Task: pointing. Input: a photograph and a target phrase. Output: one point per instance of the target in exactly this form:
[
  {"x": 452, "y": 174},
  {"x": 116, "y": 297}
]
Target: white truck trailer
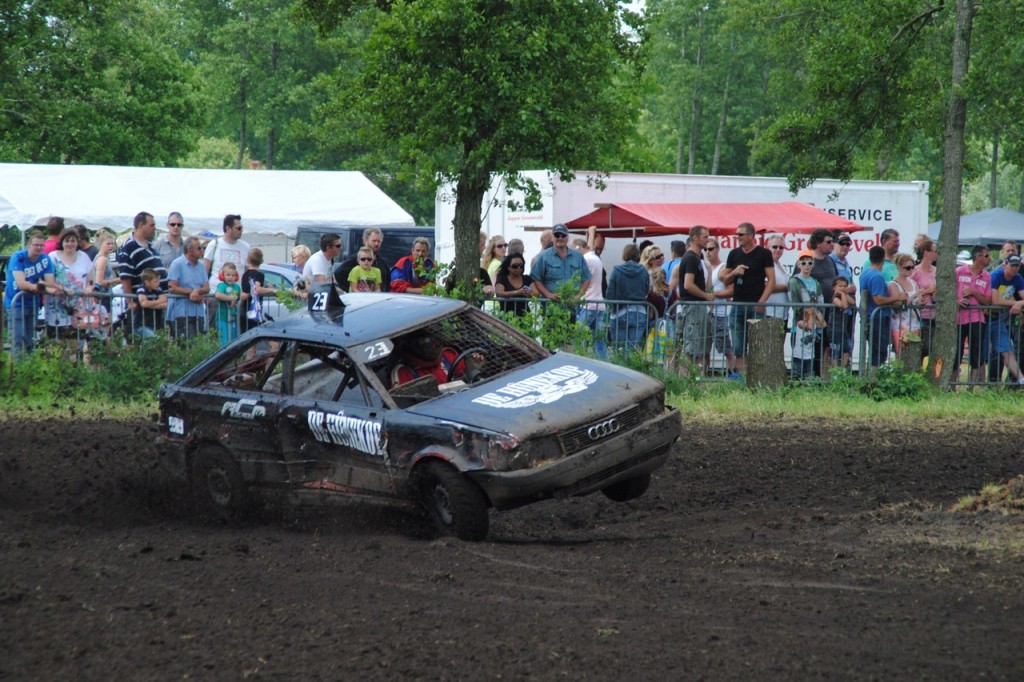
[{"x": 875, "y": 205}]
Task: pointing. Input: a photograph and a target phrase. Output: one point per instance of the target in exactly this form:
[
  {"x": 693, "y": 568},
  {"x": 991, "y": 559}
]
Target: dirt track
[{"x": 766, "y": 556}]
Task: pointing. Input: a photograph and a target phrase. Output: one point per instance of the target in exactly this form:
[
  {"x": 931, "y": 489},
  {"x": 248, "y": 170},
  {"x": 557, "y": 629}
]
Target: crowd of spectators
[{"x": 681, "y": 309}]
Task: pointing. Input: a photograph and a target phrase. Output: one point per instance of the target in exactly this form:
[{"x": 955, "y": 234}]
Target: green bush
[
  {"x": 115, "y": 370},
  {"x": 894, "y": 381}
]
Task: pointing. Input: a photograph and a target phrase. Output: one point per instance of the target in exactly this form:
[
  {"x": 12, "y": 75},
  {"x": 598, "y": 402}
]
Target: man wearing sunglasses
[
  {"x": 319, "y": 268},
  {"x": 171, "y": 246},
  {"x": 751, "y": 270},
  {"x": 230, "y": 248}
]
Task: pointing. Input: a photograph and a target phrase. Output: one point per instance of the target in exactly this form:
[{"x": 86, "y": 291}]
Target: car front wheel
[
  {"x": 456, "y": 505},
  {"x": 630, "y": 489},
  {"x": 217, "y": 485}
]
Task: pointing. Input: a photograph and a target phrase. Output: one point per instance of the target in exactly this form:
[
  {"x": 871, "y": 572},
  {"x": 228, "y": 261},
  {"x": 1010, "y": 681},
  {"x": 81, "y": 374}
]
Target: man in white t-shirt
[
  {"x": 592, "y": 311},
  {"x": 320, "y": 267},
  {"x": 230, "y": 248}
]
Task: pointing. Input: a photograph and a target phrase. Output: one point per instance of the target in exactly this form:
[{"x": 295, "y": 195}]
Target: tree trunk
[
  {"x": 679, "y": 142},
  {"x": 243, "y": 123},
  {"x": 993, "y": 184},
  {"x": 766, "y": 364},
  {"x": 695, "y": 108},
  {"x": 944, "y": 348},
  {"x": 271, "y": 146},
  {"x": 910, "y": 355},
  {"x": 723, "y": 118},
  {"x": 470, "y": 190}
]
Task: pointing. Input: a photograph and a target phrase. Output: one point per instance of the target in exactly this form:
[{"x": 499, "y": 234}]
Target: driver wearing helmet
[{"x": 423, "y": 355}]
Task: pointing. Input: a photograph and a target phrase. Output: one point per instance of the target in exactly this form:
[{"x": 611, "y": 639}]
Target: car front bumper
[{"x": 628, "y": 455}]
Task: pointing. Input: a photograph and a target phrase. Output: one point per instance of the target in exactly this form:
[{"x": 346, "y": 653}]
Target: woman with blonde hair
[
  {"x": 300, "y": 254},
  {"x": 907, "y": 320},
  {"x": 652, "y": 257},
  {"x": 493, "y": 255},
  {"x": 102, "y": 274}
]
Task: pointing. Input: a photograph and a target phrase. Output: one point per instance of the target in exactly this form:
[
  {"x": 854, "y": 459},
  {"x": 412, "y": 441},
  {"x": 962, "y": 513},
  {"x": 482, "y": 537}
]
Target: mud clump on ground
[{"x": 759, "y": 552}]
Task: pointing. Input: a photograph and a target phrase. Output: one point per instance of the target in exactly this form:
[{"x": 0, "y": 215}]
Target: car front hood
[{"x": 560, "y": 391}]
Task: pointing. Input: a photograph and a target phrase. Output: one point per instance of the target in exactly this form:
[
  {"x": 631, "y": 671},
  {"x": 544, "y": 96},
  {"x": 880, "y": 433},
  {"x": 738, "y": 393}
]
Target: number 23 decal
[
  {"x": 319, "y": 303},
  {"x": 377, "y": 351}
]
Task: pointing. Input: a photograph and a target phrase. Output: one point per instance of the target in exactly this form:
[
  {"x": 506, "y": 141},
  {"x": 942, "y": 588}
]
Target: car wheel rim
[{"x": 442, "y": 505}]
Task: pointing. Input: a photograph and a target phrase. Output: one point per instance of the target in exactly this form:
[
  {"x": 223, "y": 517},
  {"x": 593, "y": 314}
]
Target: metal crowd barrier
[
  {"x": 92, "y": 317},
  {"x": 635, "y": 327}
]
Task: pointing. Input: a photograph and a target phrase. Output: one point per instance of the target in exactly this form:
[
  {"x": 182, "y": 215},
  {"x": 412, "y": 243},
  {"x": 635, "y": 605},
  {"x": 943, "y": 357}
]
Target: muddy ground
[{"x": 781, "y": 553}]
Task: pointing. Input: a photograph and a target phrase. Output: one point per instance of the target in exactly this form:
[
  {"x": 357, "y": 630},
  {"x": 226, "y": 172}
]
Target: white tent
[
  {"x": 270, "y": 202},
  {"x": 994, "y": 226}
]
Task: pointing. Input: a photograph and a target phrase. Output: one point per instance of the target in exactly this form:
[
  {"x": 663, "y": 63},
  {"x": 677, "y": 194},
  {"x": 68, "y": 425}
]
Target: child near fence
[
  {"x": 229, "y": 293},
  {"x": 808, "y": 322}
]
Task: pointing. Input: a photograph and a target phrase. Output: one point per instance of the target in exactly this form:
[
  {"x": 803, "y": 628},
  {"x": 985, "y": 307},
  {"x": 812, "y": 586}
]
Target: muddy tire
[
  {"x": 630, "y": 489},
  {"x": 217, "y": 485},
  {"x": 455, "y": 505}
]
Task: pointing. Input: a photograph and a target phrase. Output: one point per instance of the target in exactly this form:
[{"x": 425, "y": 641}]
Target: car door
[
  {"x": 332, "y": 424},
  {"x": 236, "y": 405}
]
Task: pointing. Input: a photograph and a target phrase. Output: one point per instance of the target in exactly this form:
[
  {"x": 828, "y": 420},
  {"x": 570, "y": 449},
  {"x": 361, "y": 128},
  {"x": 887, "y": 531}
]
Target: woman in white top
[
  {"x": 780, "y": 294},
  {"x": 908, "y": 320},
  {"x": 71, "y": 270}
]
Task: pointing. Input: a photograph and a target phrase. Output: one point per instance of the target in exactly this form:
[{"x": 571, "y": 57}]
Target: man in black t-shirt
[
  {"x": 751, "y": 270},
  {"x": 693, "y": 324}
]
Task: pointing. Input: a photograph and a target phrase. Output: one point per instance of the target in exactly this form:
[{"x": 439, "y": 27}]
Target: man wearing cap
[
  {"x": 559, "y": 264},
  {"x": 1007, "y": 288}
]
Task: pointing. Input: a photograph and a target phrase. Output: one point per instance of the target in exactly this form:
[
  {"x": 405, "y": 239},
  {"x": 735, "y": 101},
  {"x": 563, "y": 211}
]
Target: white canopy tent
[{"x": 270, "y": 202}]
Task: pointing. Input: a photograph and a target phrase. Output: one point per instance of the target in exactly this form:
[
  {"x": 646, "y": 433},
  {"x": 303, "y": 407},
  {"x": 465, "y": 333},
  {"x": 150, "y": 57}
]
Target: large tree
[
  {"x": 258, "y": 61},
  {"x": 462, "y": 90},
  {"x": 878, "y": 74}
]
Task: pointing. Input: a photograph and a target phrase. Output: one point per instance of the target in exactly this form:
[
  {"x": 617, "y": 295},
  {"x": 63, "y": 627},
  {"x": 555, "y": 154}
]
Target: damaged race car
[{"x": 410, "y": 398}]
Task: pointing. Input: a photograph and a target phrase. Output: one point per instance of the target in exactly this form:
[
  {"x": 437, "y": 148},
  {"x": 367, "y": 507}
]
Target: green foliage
[
  {"x": 681, "y": 385},
  {"x": 894, "y": 381},
  {"x": 461, "y": 90},
  {"x": 114, "y": 371},
  {"x": 289, "y": 300},
  {"x": 551, "y": 323},
  {"x": 257, "y": 60},
  {"x": 94, "y": 83}
]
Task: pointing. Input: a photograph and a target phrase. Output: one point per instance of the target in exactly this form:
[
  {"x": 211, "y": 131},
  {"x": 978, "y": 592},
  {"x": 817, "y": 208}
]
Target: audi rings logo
[{"x": 603, "y": 429}]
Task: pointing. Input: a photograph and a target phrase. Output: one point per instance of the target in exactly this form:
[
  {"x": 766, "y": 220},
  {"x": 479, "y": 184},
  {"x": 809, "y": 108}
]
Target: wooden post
[
  {"x": 910, "y": 353},
  {"x": 766, "y": 363}
]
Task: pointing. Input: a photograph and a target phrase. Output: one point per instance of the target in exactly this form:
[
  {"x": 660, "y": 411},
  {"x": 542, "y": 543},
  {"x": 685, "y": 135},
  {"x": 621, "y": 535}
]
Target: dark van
[{"x": 397, "y": 240}]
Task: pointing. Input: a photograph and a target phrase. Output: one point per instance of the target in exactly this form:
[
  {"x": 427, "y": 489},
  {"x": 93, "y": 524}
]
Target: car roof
[
  {"x": 364, "y": 317},
  {"x": 285, "y": 270}
]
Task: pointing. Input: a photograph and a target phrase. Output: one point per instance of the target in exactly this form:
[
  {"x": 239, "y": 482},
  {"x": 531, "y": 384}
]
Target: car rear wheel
[
  {"x": 217, "y": 485},
  {"x": 630, "y": 489},
  {"x": 456, "y": 505}
]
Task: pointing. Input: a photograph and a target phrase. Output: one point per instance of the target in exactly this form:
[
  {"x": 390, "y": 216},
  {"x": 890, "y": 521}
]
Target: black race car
[{"x": 411, "y": 398}]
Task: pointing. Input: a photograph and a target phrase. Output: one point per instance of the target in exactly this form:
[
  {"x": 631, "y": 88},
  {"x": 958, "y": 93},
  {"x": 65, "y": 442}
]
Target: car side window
[
  {"x": 256, "y": 366},
  {"x": 273, "y": 279},
  {"x": 328, "y": 374}
]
